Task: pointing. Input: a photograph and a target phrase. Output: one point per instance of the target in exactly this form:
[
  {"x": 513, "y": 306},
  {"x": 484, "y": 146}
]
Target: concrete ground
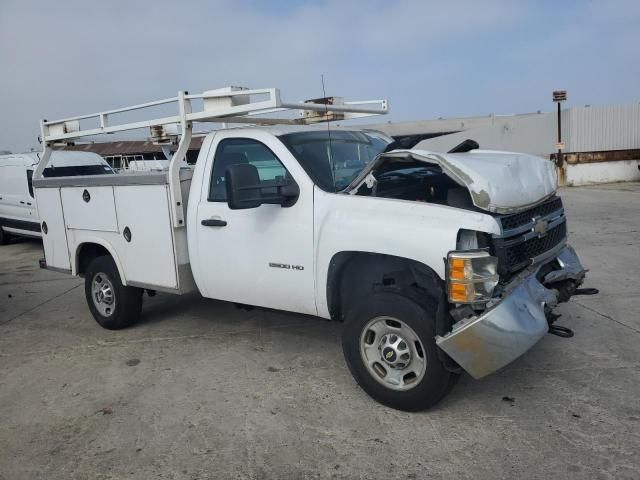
[{"x": 200, "y": 389}]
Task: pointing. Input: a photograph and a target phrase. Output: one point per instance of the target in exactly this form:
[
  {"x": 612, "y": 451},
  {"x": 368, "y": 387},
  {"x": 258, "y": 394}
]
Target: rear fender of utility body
[
  {"x": 418, "y": 233},
  {"x": 90, "y": 248}
]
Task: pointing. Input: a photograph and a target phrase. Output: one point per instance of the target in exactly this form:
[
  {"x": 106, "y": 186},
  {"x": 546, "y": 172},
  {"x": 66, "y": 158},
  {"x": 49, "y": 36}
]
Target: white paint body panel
[
  {"x": 418, "y": 231},
  {"x": 233, "y": 261},
  {"x": 16, "y": 203},
  {"x": 149, "y": 257},
  {"x": 156, "y": 257},
  {"x": 55, "y": 241},
  {"x": 99, "y": 213}
]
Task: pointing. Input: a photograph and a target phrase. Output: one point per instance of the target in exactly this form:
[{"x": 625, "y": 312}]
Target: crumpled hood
[{"x": 500, "y": 182}]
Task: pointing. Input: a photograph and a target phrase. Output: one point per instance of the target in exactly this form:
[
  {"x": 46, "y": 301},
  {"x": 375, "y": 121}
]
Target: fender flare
[
  {"x": 382, "y": 269},
  {"x": 107, "y": 246}
]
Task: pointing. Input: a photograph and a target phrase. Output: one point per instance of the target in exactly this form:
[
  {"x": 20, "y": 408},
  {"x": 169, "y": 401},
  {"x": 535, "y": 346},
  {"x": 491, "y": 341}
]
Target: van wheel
[
  {"x": 4, "y": 237},
  {"x": 389, "y": 345},
  {"x": 113, "y": 305}
]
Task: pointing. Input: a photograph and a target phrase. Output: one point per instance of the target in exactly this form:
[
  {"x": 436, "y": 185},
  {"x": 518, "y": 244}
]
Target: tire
[
  {"x": 113, "y": 305},
  {"x": 4, "y": 237},
  {"x": 423, "y": 380}
]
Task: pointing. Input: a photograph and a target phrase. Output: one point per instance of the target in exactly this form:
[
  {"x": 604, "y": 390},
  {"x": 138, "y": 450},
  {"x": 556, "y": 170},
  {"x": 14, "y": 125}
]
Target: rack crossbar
[{"x": 226, "y": 105}]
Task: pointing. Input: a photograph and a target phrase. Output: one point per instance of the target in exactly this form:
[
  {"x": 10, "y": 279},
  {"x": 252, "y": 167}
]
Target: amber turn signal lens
[
  {"x": 461, "y": 292},
  {"x": 471, "y": 276},
  {"x": 457, "y": 268}
]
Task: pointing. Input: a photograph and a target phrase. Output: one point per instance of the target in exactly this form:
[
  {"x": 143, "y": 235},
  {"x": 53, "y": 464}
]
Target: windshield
[{"x": 333, "y": 159}]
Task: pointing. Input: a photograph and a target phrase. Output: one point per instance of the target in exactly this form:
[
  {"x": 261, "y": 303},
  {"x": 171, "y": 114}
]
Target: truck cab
[
  {"x": 436, "y": 263},
  {"x": 279, "y": 234}
]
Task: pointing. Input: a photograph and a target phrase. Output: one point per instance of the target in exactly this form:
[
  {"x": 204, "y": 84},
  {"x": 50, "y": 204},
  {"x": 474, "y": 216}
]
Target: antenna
[{"x": 326, "y": 112}]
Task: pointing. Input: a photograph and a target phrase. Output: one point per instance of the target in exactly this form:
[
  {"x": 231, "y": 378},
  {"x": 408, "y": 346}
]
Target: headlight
[{"x": 471, "y": 276}]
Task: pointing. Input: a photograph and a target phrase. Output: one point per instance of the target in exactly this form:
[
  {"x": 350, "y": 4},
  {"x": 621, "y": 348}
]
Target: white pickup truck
[{"x": 436, "y": 263}]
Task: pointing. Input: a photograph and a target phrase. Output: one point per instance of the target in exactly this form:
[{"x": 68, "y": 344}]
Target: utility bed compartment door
[
  {"x": 54, "y": 240},
  {"x": 148, "y": 258},
  {"x": 90, "y": 208}
]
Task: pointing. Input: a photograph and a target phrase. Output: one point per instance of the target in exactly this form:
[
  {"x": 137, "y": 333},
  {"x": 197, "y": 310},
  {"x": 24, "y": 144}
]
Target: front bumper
[{"x": 485, "y": 343}]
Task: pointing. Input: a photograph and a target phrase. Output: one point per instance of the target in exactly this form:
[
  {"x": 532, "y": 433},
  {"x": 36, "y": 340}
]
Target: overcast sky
[{"x": 431, "y": 59}]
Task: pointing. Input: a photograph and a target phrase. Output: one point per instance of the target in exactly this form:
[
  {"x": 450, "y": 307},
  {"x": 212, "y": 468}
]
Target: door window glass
[{"x": 233, "y": 151}]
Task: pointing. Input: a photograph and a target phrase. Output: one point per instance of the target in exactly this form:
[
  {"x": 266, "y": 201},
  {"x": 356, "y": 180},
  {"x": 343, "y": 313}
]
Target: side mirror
[
  {"x": 243, "y": 186},
  {"x": 245, "y": 190}
]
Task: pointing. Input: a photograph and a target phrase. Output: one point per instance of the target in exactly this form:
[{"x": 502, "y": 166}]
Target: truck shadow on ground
[
  {"x": 194, "y": 315},
  {"x": 165, "y": 308}
]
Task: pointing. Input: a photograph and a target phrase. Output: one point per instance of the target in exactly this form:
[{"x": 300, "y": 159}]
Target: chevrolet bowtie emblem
[{"x": 541, "y": 227}]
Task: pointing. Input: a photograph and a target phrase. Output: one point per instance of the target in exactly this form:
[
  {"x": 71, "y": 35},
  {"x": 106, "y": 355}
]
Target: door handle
[{"x": 214, "y": 222}]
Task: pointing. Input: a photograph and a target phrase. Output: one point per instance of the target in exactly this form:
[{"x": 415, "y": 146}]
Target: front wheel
[
  {"x": 389, "y": 345},
  {"x": 113, "y": 305}
]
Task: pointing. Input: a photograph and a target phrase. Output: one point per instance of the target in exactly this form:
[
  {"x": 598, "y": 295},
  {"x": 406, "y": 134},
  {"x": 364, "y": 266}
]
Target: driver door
[{"x": 259, "y": 256}]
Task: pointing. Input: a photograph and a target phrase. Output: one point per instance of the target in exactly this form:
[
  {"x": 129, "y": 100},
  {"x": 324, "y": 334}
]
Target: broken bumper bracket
[{"x": 485, "y": 343}]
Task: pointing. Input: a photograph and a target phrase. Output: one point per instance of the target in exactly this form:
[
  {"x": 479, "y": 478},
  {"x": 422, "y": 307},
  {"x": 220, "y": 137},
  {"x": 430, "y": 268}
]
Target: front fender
[{"x": 417, "y": 231}]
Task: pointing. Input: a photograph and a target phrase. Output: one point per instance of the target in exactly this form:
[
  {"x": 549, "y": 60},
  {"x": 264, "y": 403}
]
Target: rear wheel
[
  {"x": 389, "y": 345},
  {"x": 113, "y": 305}
]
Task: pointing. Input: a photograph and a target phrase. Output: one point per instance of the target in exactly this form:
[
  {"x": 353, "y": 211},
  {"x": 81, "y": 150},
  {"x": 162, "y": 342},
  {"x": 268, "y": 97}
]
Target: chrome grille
[
  {"x": 515, "y": 220},
  {"x": 529, "y": 236}
]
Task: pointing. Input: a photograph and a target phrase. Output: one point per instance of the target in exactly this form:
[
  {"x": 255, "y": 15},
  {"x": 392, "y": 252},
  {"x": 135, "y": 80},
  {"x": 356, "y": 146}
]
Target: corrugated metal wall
[{"x": 592, "y": 129}]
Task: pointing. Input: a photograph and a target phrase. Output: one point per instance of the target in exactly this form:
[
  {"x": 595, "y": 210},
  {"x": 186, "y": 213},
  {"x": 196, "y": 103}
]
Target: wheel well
[
  {"x": 86, "y": 253},
  {"x": 355, "y": 275}
]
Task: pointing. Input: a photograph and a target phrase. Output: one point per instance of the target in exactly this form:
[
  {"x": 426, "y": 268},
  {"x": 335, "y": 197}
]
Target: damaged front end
[
  {"x": 502, "y": 286},
  {"x": 515, "y": 320},
  {"x": 537, "y": 269}
]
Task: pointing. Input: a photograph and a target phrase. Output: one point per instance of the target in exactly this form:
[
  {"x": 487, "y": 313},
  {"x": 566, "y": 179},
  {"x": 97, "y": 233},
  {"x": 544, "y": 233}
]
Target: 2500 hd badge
[{"x": 286, "y": 266}]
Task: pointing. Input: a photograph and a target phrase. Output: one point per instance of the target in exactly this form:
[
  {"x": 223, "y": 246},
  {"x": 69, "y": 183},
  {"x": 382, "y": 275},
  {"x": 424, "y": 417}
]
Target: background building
[{"x": 602, "y": 144}]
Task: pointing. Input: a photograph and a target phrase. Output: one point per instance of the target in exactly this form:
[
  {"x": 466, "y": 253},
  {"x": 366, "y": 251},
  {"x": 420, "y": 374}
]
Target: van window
[
  {"x": 30, "y": 182},
  {"x": 77, "y": 170}
]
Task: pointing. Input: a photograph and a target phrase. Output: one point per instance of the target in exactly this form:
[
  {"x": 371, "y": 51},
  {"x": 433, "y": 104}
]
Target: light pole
[{"x": 559, "y": 96}]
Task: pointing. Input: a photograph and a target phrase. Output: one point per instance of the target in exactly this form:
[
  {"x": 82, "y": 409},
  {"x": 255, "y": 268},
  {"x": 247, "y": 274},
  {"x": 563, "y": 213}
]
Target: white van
[{"x": 18, "y": 210}]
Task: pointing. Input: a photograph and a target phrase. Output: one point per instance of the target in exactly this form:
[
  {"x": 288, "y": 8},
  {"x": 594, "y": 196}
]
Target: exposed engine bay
[
  {"x": 409, "y": 179},
  {"x": 496, "y": 182}
]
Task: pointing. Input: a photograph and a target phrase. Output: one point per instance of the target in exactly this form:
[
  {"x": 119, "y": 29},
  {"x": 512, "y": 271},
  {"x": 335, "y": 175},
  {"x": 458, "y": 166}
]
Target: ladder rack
[{"x": 224, "y": 105}]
